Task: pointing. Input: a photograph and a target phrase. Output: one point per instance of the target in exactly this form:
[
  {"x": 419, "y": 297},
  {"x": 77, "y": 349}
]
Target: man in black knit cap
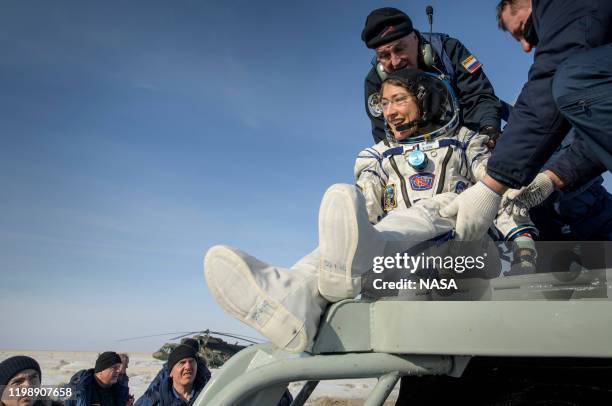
[
  {"x": 163, "y": 373},
  {"x": 182, "y": 384},
  {"x": 18, "y": 371},
  {"x": 163, "y": 389},
  {"x": 98, "y": 386},
  {"x": 22, "y": 372},
  {"x": 389, "y": 32}
]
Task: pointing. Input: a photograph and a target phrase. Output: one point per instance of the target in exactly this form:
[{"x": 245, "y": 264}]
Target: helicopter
[{"x": 212, "y": 348}]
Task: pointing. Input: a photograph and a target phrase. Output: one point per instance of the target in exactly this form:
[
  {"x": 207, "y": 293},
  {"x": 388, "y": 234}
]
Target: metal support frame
[
  {"x": 344, "y": 349},
  {"x": 383, "y": 388},
  {"x": 243, "y": 389}
]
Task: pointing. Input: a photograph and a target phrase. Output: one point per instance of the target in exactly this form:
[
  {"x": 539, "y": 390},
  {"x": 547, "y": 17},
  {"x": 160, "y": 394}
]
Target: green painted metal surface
[{"x": 235, "y": 387}]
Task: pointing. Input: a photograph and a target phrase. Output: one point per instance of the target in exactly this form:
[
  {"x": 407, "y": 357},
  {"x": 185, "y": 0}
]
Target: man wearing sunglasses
[{"x": 569, "y": 85}]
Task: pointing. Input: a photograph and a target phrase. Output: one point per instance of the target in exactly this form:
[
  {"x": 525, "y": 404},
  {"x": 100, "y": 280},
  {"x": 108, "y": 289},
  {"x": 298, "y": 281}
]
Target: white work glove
[
  {"x": 517, "y": 202},
  {"x": 475, "y": 209}
]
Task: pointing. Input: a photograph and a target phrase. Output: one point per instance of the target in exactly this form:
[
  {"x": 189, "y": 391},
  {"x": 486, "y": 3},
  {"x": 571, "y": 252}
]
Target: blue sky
[{"x": 135, "y": 135}]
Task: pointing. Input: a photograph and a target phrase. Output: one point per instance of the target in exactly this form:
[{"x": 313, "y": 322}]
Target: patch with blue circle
[
  {"x": 390, "y": 202},
  {"x": 422, "y": 181}
]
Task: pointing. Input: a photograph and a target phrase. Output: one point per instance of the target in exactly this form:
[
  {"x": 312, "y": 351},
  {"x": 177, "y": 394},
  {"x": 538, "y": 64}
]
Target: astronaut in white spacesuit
[{"x": 401, "y": 184}]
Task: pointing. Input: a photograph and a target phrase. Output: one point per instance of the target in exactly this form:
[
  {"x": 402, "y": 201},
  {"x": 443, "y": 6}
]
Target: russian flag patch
[{"x": 471, "y": 64}]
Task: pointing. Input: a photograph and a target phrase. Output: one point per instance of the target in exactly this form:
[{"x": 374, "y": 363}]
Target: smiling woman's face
[{"x": 399, "y": 107}]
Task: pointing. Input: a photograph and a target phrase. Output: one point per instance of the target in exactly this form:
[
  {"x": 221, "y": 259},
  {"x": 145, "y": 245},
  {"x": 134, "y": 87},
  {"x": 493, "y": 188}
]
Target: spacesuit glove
[
  {"x": 517, "y": 202},
  {"x": 475, "y": 209}
]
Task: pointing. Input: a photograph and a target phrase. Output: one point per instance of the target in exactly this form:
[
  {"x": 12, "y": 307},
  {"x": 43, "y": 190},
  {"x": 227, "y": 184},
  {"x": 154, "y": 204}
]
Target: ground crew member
[{"x": 398, "y": 45}]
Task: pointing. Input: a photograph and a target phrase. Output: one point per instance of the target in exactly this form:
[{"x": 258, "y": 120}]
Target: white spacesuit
[
  {"x": 392, "y": 175},
  {"x": 394, "y": 206}
]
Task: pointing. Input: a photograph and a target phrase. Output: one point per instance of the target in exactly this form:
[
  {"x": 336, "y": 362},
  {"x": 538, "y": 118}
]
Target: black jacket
[
  {"x": 83, "y": 384},
  {"x": 160, "y": 392},
  {"x": 162, "y": 376},
  {"x": 576, "y": 165},
  {"x": 536, "y": 127},
  {"x": 48, "y": 402},
  {"x": 479, "y": 105}
]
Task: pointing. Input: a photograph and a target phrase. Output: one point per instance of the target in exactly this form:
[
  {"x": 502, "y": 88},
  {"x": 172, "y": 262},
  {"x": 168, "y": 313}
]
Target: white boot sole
[
  {"x": 233, "y": 286},
  {"x": 338, "y": 240}
]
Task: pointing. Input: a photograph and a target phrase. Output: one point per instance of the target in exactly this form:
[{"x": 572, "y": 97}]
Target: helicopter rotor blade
[
  {"x": 151, "y": 335},
  {"x": 206, "y": 332},
  {"x": 239, "y": 335},
  {"x": 209, "y": 333},
  {"x": 251, "y": 340},
  {"x": 185, "y": 335}
]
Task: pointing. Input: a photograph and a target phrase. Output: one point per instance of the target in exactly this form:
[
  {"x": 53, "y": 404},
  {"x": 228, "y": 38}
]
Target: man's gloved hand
[
  {"x": 492, "y": 133},
  {"x": 517, "y": 202},
  {"x": 475, "y": 209}
]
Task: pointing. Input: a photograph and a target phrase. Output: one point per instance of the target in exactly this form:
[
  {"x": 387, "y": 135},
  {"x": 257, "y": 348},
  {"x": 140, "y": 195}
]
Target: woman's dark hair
[{"x": 430, "y": 95}]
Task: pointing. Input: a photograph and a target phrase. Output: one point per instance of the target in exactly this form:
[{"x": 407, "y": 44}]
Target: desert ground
[{"x": 58, "y": 366}]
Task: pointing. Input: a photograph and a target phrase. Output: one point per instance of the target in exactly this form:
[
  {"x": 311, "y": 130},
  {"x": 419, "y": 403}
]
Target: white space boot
[
  {"x": 282, "y": 304},
  {"x": 348, "y": 242}
]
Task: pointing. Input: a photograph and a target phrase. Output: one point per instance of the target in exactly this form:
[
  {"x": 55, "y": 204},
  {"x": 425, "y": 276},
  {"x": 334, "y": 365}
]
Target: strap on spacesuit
[
  {"x": 393, "y": 152},
  {"x": 424, "y": 146}
]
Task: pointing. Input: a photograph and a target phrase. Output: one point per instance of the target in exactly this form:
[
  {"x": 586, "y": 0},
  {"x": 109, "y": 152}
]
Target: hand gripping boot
[
  {"x": 348, "y": 242},
  {"x": 282, "y": 304}
]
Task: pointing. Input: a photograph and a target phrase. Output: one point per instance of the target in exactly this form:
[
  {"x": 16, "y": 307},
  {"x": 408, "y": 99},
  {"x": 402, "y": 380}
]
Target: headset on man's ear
[
  {"x": 426, "y": 50},
  {"x": 427, "y": 54}
]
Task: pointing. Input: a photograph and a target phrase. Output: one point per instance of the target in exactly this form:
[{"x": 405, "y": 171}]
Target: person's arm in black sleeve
[
  {"x": 372, "y": 86},
  {"x": 534, "y": 131},
  {"x": 481, "y": 108},
  {"x": 536, "y": 127},
  {"x": 576, "y": 165}
]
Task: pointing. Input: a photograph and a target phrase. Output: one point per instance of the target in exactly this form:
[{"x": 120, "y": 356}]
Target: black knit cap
[
  {"x": 106, "y": 360},
  {"x": 12, "y": 366},
  {"x": 384, "y": 25},
  {"x": 180, "y": 352}
]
